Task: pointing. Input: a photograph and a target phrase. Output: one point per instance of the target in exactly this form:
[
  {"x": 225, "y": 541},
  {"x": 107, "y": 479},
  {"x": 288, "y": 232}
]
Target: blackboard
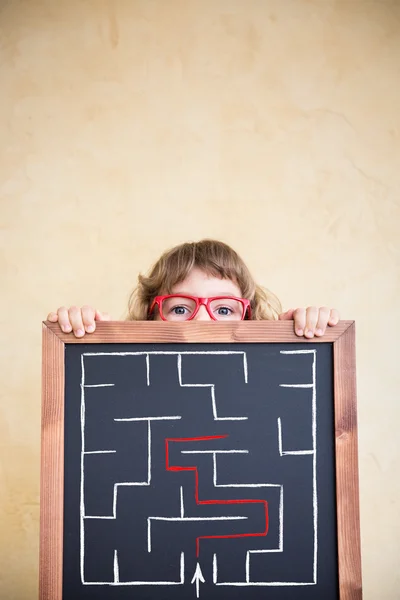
[{"x": 195, "y": 461}]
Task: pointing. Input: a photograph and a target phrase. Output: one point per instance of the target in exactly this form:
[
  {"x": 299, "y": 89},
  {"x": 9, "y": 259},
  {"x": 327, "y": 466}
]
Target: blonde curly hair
[{"x": 214, "y": 258}]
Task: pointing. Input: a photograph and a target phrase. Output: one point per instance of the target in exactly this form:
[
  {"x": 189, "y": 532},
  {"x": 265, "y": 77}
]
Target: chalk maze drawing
[{"x": 193, "y": 503}]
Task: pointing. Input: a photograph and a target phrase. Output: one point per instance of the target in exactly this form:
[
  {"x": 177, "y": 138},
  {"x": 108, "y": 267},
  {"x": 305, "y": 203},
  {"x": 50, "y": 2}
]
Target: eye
[
  {"x": 179, "y": 310},
  {"x": 224, "y": 311}
]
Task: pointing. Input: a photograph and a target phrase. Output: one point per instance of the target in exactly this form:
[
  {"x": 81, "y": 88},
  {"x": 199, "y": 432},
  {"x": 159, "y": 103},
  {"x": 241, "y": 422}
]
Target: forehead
[{"x": 200, "y": 283}]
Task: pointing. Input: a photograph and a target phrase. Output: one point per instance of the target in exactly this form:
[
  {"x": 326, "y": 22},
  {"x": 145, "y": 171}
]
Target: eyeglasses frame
[{"x": 158, "y": 300}]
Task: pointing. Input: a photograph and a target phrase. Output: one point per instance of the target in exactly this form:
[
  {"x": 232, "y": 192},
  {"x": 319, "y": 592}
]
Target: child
[{"x": 200, "y": 281}]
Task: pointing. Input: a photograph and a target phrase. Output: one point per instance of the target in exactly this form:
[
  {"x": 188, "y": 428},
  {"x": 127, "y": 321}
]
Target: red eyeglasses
[{"x": 178, "y": 307}]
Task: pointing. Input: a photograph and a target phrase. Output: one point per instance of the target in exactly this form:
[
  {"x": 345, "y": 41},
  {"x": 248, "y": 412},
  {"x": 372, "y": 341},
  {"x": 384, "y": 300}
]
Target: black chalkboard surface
[{"x": 195, "y": 468}]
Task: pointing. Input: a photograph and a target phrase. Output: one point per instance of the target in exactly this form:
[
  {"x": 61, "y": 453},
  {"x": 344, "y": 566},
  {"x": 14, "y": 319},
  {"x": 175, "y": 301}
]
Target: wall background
[{"x": 128, "y": 126}]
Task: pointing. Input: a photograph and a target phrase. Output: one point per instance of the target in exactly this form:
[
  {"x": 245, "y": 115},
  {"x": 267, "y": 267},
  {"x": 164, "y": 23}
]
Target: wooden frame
[{"x": 342, "y": 336}]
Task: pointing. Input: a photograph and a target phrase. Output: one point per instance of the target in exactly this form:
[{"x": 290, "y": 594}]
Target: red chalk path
[{"x": 196, "y": 493}]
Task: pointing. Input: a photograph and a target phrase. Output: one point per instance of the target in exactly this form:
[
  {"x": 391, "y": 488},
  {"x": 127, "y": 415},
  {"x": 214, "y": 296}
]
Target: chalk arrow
[{"x": 197, "y": 577}]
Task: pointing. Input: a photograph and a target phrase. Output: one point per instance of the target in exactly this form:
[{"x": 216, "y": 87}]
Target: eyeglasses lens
[{"x": 179, "y": 308}]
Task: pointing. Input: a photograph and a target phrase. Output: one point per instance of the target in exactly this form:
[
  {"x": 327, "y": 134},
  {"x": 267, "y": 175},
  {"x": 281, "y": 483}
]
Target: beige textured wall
[{"x": 131, "y": 125}]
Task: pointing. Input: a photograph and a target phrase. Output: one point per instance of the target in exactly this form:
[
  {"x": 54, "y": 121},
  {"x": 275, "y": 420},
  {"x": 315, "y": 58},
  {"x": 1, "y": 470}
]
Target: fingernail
[
  {"x": 79, "y": 332},
  {"x": 309, "y": 333},
  {"x": 90, "y": 328},
  {"x": 299, "y": 332},
  {"x": 318, "y": 332},
  {"x": 66, "y": 328}
]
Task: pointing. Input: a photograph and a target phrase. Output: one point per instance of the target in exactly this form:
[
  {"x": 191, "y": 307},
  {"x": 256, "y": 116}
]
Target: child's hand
[
  {"x": 312, "y": 320},
  {"x": 79, "y": 320}
]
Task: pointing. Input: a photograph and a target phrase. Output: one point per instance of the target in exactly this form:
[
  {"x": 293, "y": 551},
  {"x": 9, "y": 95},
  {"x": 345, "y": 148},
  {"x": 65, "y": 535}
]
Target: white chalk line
[
  {"x": 214, "y": 452},
  {"x": 166, "y": 352},
  {"x": 82, "y": 502},
  {"x": 99, "y": 385},
  {"x": 182, "y": 503},
  {"x": 296, "y": 385},
  {"x": 265, "y": 583},
  {"x": 245, "y": 369},
  {"x": 171, "y": 418},
  {"x": 100, "y": 452},
  {"x": 314, "y": 437},
  {"x": 116, "y": 567},
  {"x": 215, "y": 569},
  {"x": 310, "y": 351},
  {"x": 230, "y": 518}
]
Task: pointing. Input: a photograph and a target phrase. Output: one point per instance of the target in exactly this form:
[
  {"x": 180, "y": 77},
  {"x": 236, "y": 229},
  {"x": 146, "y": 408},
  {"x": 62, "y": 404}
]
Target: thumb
[
  {"x": 287, "y": 316},
  {"x": 102, "y": 316}
]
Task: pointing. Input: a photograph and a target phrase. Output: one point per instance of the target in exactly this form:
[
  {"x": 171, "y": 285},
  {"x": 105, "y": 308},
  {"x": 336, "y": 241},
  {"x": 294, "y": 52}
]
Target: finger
[
  {"x": 286, "y": 316},
  {"x": 63, "y": 319},
  {"x": 88, "y": 315},
  {"x": 322, "y": 322},
  {"x": 311, "y": 321},
  {"x": 299, "y": 317},
  {"x": 334, "y": 317},
  {"x": 102, "y": 316},
  {"x": 75, "y": 317},
  {"x": 53, "y": 317}
]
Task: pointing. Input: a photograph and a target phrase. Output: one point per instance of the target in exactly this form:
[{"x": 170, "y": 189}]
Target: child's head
[{"x": 221, "y": 271}]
